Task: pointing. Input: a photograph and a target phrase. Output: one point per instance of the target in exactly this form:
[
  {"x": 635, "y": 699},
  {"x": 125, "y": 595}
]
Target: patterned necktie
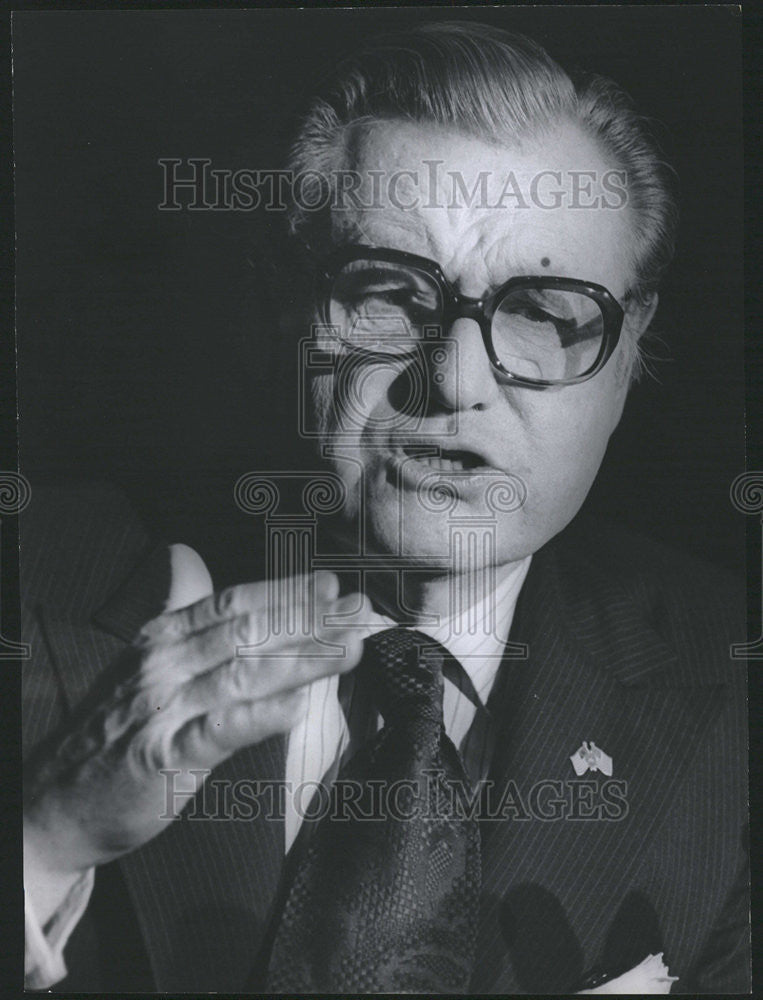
[{"x": 388, "y": 903}]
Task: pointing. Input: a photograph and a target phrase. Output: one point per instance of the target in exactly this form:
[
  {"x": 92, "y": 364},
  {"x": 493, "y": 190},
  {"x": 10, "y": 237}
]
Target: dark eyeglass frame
[{"x": 456, "y": 306}]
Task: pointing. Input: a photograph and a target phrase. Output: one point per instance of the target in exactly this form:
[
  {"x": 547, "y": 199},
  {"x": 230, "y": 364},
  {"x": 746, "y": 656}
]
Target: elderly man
[{"x": 524, "y": 741}]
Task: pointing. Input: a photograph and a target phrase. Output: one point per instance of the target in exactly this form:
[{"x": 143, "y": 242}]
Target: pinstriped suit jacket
[{"x": 628, "y": 647}]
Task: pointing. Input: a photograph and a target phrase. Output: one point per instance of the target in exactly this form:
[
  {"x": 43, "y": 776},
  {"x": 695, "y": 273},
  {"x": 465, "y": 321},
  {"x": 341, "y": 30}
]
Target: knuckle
[
  {"x": 153, "y": 663},
  {"x": 259, "y": 620},
  {"x": 159, "y": 629},
  {"x": 241, "y": 630},
  {"x": 223, "y": 601},
  {"x": 147, "y": 633},
  {"x": 148, "y": 751},
  {"x": 239, "y": 678}
]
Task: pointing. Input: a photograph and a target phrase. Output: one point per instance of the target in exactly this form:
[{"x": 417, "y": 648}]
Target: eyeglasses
[{"x": 537, "y": 331}]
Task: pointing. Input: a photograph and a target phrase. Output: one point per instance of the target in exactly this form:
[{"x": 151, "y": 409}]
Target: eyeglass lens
[{"x": 537, "y": 332}]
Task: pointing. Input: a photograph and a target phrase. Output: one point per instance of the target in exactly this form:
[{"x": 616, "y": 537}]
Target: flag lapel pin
[{"x": 589, "y": 757}]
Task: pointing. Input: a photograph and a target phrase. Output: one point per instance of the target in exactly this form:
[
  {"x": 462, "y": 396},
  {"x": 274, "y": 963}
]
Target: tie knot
[{"x": 404, "y": 668}]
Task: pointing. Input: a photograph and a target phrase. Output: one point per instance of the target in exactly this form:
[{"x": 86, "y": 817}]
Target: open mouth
[{"x": 448, "y": 460}]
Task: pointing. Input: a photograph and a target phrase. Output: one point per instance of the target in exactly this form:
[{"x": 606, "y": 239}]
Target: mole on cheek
[{"x": 545, "y": 261}]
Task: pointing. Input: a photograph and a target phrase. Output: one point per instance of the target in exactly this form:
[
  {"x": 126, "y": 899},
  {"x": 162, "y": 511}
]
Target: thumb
[{"x": 189, "y": 576}]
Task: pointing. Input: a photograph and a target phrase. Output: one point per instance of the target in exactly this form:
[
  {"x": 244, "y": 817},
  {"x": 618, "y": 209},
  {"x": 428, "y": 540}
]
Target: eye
[
  {"x": 542, "y": 307},
  {"x": 375, "y": 292},
  {"x": 533, "y": 326},
  {"x": 411, "y": 301},
  {"x": 536, "y": 312}
]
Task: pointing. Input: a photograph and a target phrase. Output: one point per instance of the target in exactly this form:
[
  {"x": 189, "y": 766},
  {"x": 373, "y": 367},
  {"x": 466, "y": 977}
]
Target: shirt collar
[{"x": 477, "y": 635}]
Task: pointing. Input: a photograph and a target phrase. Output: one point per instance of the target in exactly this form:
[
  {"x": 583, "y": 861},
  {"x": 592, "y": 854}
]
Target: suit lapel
[
  {"x": 555, "y": 883},
  {"x": 82, "y": 655},
  {"x": 204, "y": 888}
]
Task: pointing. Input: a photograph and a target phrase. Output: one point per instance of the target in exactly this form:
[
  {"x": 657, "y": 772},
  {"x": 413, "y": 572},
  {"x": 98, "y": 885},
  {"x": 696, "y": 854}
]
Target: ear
[{"x": 638, "y": 316}]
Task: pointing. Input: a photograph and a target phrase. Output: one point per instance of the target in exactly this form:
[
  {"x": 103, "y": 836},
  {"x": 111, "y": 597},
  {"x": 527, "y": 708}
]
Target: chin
[
  {"x": 420, "y": 540},
  {"x": 445, "y": 543}
]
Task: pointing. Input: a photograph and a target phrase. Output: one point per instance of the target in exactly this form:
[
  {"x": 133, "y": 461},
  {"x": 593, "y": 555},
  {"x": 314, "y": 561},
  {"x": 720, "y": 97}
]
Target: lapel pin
[{"x": 589, "y": 757}]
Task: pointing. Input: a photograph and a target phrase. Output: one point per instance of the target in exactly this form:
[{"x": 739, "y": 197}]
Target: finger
[
  {"x": 254, "y": 598},
  {"x": 189, "y": 578},
  {"x": 324, "y": 623},
  {"x": 208, "y": 739},
  {"x": 177, "y": 661},
  {"x": 280, "y": 604},
  {"x": 243, "y": 678},
  {"x": 247, "y": 636}
]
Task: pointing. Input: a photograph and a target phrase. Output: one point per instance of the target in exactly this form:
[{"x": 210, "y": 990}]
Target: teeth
[
  {"x": 441, "y": 464},
  {"x": 445, "y": 464}
]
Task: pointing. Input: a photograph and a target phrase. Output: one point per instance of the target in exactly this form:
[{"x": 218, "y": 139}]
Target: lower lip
[{"x": 409, "y": 471}]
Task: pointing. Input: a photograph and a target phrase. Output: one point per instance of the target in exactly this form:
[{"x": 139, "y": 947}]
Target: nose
[{"x": 461, "y": 374}]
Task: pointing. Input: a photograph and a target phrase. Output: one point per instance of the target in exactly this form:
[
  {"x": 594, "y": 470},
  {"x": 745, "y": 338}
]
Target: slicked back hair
[{"x": 499, "y": 87}]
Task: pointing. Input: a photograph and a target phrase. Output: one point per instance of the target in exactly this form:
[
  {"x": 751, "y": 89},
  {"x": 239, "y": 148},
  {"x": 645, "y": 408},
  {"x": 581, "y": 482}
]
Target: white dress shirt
[{"x": 476, "y": 637}]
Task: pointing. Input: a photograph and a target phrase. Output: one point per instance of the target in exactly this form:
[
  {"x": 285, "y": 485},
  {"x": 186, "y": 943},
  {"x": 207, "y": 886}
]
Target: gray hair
[{"x": 496, "y": 86}]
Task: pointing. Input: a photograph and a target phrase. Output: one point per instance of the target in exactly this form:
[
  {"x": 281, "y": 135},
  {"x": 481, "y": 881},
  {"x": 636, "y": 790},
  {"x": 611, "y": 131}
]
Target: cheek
[
  {"x": 320, "y": 397},
  {"x": 571, "y": 438},
  {"x": 344, "y": 408},
  {"x": 353, "y": 399}
]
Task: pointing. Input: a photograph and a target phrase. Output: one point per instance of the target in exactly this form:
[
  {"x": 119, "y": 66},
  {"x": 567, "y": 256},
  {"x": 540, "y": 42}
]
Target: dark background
[{"x": 148, "y": 345}]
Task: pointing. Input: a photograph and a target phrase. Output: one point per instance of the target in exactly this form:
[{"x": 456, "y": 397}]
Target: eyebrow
[{"x": 408, "y": 225}]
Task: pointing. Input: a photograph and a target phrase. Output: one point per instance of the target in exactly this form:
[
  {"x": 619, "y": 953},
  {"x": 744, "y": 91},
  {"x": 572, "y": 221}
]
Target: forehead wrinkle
[
  {"x": 481, "y": 249},
  {"x": 501, "y": 260},
  {"x": 384, "y": 228},
  {"x": 480, "y": 257}
]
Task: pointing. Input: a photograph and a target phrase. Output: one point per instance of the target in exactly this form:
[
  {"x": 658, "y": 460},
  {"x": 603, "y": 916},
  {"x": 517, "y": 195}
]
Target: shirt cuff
[{"x": 44, "y": 946}]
